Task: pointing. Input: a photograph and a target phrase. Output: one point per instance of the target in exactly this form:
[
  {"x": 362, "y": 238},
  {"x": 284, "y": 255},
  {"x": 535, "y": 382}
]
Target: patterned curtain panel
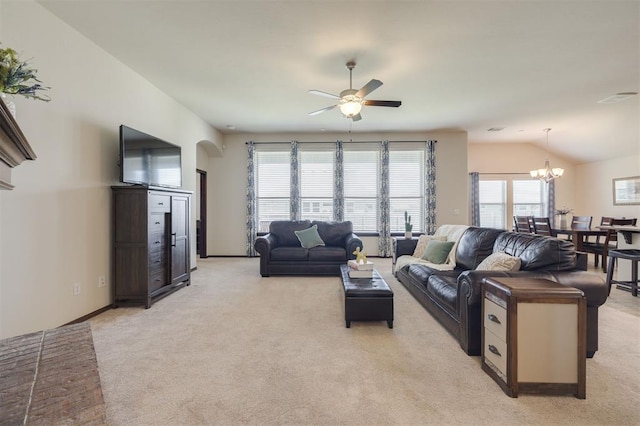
[
  {"x": 430, "y": 188},
  {"x": 384, "y": 239},
  {"x": 475, "y": 198},
  {"x": 338, "y": 184},
  {"x": 295, "y": 183},
  {"x": 251, "y": 201},
  {"x": 551, "y": 201}
]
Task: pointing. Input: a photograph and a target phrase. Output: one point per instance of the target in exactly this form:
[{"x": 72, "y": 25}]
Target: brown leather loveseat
[
  {"x": 454, "y": 297},
  {"x": 281, "y": 252}
]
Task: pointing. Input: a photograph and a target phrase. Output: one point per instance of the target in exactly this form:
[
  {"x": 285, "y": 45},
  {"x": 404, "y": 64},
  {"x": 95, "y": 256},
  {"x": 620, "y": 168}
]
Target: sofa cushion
[
  {"x": 309, "y": 237},
  {"x": 422, "y": 244},
  {"x": 537, "y": 252},
  {"x": 437, "y": 251},
  {"x": 500, "y": 262},
  {"x": 284, "y": 231},
  {"x": 444, "y": 289},
  {"x": 289, "y": 253},
  {"x": 475, "y": 245},
  {"x": 334, "y": 233},
  {"x": 327, "y": 254}
]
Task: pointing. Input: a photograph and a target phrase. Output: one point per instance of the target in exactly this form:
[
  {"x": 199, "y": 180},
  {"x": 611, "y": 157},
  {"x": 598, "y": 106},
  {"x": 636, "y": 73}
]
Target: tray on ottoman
[{"x": 366, "y": 299}]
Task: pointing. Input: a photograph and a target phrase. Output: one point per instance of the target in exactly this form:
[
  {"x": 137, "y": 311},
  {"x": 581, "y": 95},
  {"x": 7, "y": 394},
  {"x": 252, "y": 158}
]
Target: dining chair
[
  {"x": 581, "y": 222},
  {"x": 595, "y": 247},
  {"x": 522, "y": 224},
  {"x": 542, "y": 226},
  {"x": 610, "y": 242}
]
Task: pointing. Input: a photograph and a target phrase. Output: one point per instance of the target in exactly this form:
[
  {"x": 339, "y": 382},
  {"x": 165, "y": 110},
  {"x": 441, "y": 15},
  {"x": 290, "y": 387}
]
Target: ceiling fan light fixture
[{"x": 351, "y": 108}]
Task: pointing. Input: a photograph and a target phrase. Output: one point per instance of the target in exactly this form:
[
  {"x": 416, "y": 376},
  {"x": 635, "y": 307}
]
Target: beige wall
[
  {"x": 594, "y": 187},
  {"x": 227, "y": 183},
  {"x": 55, "y": 225},
  {"x": 586, "y": 188}
]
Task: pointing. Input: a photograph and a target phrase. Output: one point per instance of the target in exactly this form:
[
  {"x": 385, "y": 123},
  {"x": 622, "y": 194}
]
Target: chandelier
[{"x": 547, "y": 174}]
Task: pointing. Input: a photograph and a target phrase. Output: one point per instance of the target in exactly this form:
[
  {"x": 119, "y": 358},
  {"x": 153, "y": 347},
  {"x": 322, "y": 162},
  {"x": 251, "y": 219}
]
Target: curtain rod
[
  {"x": 506, "y": 173},
  {"x": 378, "y": 141}
]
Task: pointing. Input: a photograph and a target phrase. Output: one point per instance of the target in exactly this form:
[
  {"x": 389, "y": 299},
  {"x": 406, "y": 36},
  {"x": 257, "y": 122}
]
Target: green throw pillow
[
  {"x": 309, "y": 237},
  {"x": 437, "y": 251}
]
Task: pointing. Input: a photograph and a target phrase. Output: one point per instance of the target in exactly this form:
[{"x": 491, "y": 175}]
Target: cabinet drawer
[
  {"x": 495, "y": 350},
  {"x": 495, "y": 319},
  {"x": 159, "y": 203}
]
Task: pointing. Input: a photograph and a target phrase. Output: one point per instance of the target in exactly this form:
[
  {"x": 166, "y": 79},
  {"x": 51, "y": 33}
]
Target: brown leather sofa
[
  {"x": 454, "y": 297},
  {"x": 281, "y": 253}
]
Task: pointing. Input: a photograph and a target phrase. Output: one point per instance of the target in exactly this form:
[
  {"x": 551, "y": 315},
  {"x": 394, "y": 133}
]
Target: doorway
[{"x": 201, "y": 222}]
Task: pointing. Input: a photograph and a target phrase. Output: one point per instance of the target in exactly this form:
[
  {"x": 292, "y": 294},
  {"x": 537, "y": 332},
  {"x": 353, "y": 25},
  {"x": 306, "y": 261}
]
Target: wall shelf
[{"x": 14, "y": 148}]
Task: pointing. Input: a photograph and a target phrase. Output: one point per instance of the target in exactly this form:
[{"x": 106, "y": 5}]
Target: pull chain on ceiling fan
[{"x": 351, "y": 100}]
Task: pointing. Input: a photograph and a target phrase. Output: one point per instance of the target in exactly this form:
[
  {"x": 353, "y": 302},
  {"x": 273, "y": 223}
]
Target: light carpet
[{"x": 236, "y": 348}]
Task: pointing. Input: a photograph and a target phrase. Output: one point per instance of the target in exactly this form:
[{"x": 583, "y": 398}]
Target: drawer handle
[
  {"x": 161, "y": 204},
  {"x": 157, "y": 223},
  {"x": 493, "y": 318},
  {"x": 494, "y": 350},
  {"x": 157, "y": 242}
]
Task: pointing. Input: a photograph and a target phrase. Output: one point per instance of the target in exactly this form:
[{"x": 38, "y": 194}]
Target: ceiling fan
[{"x": 352, "y": 100}]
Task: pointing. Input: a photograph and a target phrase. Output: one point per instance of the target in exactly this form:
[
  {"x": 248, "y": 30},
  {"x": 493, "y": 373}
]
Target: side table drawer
[
  {"x": 495, "y": 350},
  {"x": 495, "y": 319}
]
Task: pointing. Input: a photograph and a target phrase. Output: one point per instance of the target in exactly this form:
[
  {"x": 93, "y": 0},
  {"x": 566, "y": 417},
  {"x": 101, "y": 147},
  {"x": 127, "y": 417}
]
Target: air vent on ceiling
[
  {"x": 495, "y": 129},
  {"x": 618, "y": 97}
]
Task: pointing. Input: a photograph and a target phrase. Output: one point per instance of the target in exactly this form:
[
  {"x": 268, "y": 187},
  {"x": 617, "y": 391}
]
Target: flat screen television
[{"x": 147, "y": 160}]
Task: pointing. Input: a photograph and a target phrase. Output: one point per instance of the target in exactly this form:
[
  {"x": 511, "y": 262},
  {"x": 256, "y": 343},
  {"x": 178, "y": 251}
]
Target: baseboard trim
[{"x": 89, "y": 316}]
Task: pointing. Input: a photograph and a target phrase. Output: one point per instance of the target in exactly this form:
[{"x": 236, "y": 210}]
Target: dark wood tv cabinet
[{"x": 151, "y": 247}]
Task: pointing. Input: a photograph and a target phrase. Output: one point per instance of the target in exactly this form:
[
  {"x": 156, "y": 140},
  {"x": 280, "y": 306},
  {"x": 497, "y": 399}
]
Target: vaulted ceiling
[{"x": 247, "y": 66}]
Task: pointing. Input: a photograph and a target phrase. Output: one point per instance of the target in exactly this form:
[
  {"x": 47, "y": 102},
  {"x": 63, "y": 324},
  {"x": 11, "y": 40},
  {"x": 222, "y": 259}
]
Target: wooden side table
[{"x": 534, "y": 336}]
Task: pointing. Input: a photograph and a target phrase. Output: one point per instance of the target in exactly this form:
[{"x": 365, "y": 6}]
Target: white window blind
[
  {"x": 528, "y": 198},
  {"x": 406, "y": 188},
  {"x": 493, "y": 203},
  {"x": 361, "y": 177},
  {"x": 272, "y": 175},
  {"x": 316, "y": 184}
]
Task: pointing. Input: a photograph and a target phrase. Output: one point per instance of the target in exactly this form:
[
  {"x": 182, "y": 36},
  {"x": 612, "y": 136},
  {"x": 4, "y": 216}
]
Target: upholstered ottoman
[{"x": 366, "y": 299}]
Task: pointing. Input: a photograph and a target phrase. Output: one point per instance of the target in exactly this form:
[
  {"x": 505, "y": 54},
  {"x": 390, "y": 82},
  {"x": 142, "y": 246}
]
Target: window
[
  {"x": 316, "y": 184},
  {"x": 528, "y": 198},
  {"x": 493, "y": 203},
  {"x": 406, "y": 188},
  {"x": 272, "y": 175},
  {"x": 502, "y": 197},
  {"x": 361, "y": 177}
]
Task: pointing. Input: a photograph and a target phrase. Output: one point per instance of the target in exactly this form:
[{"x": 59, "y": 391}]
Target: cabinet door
[{"x": 180, "y": 250}]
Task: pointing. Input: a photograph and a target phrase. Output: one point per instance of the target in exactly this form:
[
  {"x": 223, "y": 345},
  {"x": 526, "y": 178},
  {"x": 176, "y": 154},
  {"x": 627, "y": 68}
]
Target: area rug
[{"x": 51, "y": 377}]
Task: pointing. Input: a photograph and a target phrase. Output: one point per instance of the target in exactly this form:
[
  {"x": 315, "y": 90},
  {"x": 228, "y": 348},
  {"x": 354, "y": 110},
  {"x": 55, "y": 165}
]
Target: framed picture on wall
[{"x": 626, "y": 191}]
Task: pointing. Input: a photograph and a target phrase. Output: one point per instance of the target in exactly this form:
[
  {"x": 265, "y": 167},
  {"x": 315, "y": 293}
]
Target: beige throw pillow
[
  {"x": 500, "y": 262},
  {"x": 422, "y": 244}
]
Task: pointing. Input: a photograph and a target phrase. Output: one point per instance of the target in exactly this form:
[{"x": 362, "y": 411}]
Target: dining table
[{"x": 579, "y": 236}]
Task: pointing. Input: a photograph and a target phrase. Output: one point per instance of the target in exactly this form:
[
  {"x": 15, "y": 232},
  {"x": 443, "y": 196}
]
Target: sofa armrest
[
  {"x": 351, "y": 242},
  {"x": 402, "y": 247},
  {"x": 264, "y": 244}
]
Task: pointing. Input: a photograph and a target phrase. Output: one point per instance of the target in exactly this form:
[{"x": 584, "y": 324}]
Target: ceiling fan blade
[
  {"x": 394, "y": 104},
  {"x": 356, "y": 117},
  {"x": 325, "y": 94},
  {"x": 368, "y": 88},
  {"x": 322, "y": 110}
]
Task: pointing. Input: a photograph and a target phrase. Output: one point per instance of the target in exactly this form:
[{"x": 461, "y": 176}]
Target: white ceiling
[{"x": 455, "y": 65}]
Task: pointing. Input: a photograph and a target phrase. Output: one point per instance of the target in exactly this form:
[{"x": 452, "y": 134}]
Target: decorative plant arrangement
[
  {"x": 408, "y": 227},
  {"x": 17, "y": 78},
  {"x": 563, "y": 211}
]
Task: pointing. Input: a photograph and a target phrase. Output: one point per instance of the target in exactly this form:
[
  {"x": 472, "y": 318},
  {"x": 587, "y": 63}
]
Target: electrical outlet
[
  {"x": 101, "y": 281},
  {"x": 76, "y": 289}
]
